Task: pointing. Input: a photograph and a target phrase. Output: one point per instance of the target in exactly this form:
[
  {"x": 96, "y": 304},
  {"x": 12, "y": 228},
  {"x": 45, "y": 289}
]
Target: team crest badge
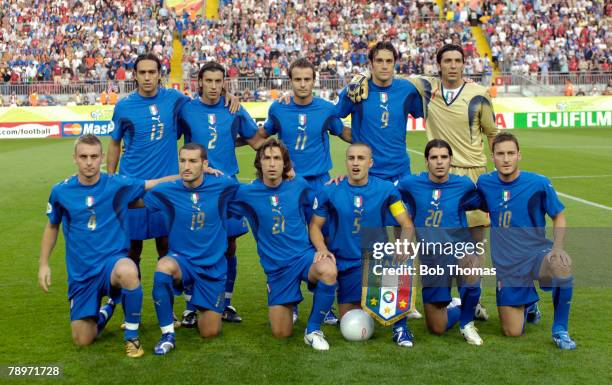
[
  {"x": 89, "y": 201},
  {"x": 436, "y": 194},
  {"x": 274, "y": 200},
  {"x": 506, "y": 195},
  {"x": 358, "y": 201},
  {"x": 153, "y": 110},
  {"x": 384, "y": 97},
  {"x": 302, "y": 119},
  {"x": 212, "y": 119},
  {"x": 194, "y": 198}
]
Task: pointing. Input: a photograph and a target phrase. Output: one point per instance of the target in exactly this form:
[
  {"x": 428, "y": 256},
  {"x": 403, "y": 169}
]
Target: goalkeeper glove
[{"x": 358, "y": 87}]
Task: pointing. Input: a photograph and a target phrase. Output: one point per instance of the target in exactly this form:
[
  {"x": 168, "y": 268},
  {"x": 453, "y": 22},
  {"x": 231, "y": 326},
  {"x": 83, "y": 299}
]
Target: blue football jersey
[
  {"x": 278, "y": 221},
  {"x": 215, "y": 128},
  {"x": 197, "y": 218},
  {"x": 518, "y": 216},
  {"x": 94, "y": 221},
  {"x": 438, "y": 209},
  {"x": 443, "y": 205},
  {"x": 304, "y": 130},
  {"x": 380, "y": 121},
  {"x": 351, "y": 210},
  {"x": 148, "y": 127}
]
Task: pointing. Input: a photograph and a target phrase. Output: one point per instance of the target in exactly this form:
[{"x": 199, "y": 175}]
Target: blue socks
[
  {"x": 401, "y": 324},
  {"x": 163, "y": 298},
  {"x": 452, "y": 316},
  {"x": 132, "y": 308},
  {"x": 470, "y": 295},
  {"x": 321, "y": 304},
  {"x": 563, "y": 289},
  {"x": 104, "y": 315},
  {"x": 232, "y": 262}
]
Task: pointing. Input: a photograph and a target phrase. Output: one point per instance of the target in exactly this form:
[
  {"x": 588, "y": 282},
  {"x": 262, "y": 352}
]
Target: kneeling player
[
  {"x": 360, "y": 201},
  {"x": 197, "y": 207},
  {"x": 93, "y": 206},
  {"x": 518, "y": 202},
  {"x": 437, "y": 202},
  {"x": 275, "y": 207}
]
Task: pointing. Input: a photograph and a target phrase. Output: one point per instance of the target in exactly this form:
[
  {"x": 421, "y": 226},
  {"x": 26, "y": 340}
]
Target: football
[{"x": 357, "y": 325}]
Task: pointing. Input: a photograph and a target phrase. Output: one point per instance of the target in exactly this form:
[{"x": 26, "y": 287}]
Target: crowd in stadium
[
  {"x": 538, "y": 37},
  {"x": 74, "y": 40},
  {"x": 97, "y": 40}
]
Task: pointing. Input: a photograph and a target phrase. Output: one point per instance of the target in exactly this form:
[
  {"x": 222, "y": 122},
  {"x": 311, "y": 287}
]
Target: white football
[{"x": 357, "y": 325}]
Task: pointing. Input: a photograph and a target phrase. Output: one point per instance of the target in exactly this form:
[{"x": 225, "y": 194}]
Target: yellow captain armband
[{"x": 397, "y": 208}]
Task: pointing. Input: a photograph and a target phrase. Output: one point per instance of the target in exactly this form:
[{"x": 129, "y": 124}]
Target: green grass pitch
[{"x": 35, "y": 326}]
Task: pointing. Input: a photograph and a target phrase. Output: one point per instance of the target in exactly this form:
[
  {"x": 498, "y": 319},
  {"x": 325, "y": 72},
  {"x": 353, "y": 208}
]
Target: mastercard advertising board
[{"x": 99, "y": 128}]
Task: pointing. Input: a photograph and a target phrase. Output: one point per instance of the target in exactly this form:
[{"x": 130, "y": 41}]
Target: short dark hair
[
  {"x": 302, "y": 63},
  {"x": 448, "y": 48},
  {"x": 196, "y": 146},
  {"x": 284, "y": 152},
  {"x": 504, "y": 137},
  {"x": 359, "y": 144},
  {"x": 148, "y": 56},
  {"x": 212, "y": 66},
  {"x": 382, "y": 45},
  {"x": 89, "y": 139},
  {"x": 437, "y": 143}
]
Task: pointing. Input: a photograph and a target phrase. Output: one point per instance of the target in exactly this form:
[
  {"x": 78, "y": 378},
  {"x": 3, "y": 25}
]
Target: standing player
[
  {"x": 197, "y": 208},
  {"x": 275, "y": 208},
  {"x": 437, "y": 202},
  {"x": 146, "y": 123},
  {"x": 357, "y": 202},
  {"x": 92, "y": 205},
  {"x": 518, "y": 202},
  {"x": 303, "y": 124},
  {"x": 380, "y": 120},
  {"x": 208, "y": 121}
]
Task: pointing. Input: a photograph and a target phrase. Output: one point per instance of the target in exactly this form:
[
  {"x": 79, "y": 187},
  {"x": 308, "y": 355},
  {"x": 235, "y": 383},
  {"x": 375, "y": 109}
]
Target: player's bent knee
[
  {"x": 166, "y": 265},
  {"x": 512, "y": 332},
  {"x": 83, "y": 339},
  {"x": 281, "y": 332},
  {"x": 326, "y": 271},
  {"x": 126, "y": 272},
  {"x": 436, "y": 328}
]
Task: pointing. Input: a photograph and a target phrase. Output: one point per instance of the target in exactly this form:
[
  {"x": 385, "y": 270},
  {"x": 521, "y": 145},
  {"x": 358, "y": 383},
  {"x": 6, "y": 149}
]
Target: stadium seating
[{"x": 52, "y": 47}]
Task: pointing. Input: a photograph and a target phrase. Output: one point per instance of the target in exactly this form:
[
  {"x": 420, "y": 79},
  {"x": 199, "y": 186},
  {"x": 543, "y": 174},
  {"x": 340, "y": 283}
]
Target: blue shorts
[
  {"x": 519, "y": 291},
  {"x": 317, "y": 182},
  {"x": 146, "y": 224},
  {"x": 389, "y": 219},
  {"x": 350, "y": 285},
  {"x": 284, "y": 284},
  {"x": 237, "y": 227},
  {"x": 207, "y": 293},
  {"x": 85, "y": 296},
  {"x": 437, "y": 288}
]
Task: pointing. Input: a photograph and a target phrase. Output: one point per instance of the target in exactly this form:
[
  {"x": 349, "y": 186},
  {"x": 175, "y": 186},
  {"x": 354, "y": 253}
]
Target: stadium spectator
[{"x": 569, "y": 88}]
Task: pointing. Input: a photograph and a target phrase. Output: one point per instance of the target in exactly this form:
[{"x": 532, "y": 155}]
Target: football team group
[{"x": 307, "y": 227}]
